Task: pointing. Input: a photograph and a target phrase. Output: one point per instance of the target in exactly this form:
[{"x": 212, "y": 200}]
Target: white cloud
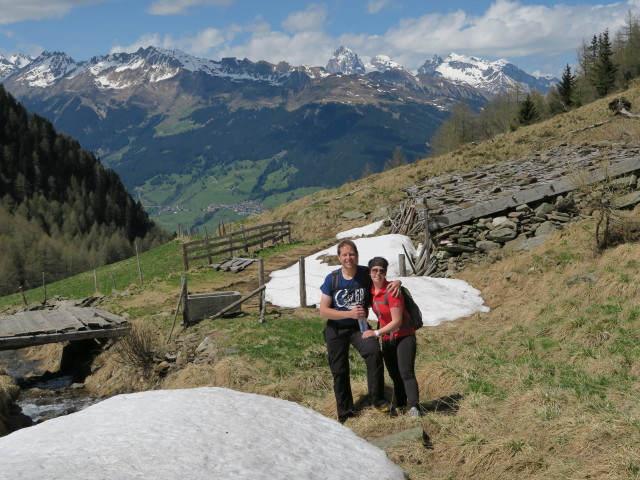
[
  {"x": 181, "y": 7},
  {"x": 311, "y": 19},
  {"x": 374, "y": 6},
  {"x": 17, "y": 11},
  {"x": 148, "y": 40},
  {"x": 506, "y": 29}
]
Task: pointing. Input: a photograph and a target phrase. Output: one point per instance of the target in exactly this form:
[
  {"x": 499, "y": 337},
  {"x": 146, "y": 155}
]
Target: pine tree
[
  {"x": 566, "y": 87},
  {"x": 528, "y": 113},
  {"x": 604, "y": 70}
]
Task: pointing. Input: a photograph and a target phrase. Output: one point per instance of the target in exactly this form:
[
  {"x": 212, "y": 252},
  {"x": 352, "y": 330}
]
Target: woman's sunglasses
[{"x": 378, "y": 270}]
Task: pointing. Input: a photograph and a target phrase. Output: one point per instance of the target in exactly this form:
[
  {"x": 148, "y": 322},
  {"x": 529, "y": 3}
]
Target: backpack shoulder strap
[{"x": 334, "y": 280}]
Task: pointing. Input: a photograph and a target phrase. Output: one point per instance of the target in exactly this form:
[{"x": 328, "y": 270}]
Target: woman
[{"x": 398, "y": 337}]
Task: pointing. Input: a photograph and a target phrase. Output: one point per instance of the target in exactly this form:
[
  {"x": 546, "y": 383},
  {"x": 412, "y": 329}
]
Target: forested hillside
[{"x": 61, "y": 211}]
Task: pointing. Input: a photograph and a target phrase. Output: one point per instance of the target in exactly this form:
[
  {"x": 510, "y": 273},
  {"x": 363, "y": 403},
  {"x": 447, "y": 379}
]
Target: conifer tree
[
  {"x": 566, "y": 87},
  {"x": 528, "y": 113},
  {"x": 604, "y": 70}
]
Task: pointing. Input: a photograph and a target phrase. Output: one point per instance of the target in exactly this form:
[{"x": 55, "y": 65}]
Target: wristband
[{"x": 377, "y": 333}]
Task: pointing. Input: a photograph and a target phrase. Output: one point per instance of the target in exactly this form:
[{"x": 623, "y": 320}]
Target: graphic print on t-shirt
[{"x": 348, "y": 297}]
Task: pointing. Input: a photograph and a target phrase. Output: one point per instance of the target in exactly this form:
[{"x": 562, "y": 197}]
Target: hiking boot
[
  {"x": 414, "y": 412},
  {"x": 346, "y": 417},
  {"x": 383, "y": 407}
]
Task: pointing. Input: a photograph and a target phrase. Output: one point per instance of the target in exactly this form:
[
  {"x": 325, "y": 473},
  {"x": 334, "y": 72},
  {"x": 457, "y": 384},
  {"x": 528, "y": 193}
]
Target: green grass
[
  {"x": 285, "y": 344},
  {"x": 163, "y": 263}
]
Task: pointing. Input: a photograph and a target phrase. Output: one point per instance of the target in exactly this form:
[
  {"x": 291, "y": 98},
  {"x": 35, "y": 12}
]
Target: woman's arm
[{"x": 394, "y": 324}]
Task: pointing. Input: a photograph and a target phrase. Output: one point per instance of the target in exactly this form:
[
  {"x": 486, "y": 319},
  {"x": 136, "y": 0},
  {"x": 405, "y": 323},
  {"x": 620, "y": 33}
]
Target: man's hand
[
  {"x": 394, "y": 288},
  {"x": 359, "y": 311}
]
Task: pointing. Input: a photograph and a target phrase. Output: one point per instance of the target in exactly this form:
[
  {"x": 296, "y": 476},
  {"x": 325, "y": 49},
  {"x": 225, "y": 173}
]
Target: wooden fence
[{"x": 238, "y": 241}]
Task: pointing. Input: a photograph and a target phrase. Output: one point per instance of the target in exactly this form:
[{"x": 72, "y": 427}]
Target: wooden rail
[{"x": 240, "y": 240}]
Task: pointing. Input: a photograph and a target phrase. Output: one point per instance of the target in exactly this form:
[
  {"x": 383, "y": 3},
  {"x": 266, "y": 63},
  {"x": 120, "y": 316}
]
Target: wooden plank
[
  {"x": 112, "y": 318},
  {"x": 34, "y": 322},
  {"x": 63, "y": 321},
  {"x": 11, "y": 343},
  {"x": 88, "y": 317},
  {"x": 11, "y": 326},
  {"x": 42, "y": 315},
  {"x": 241, "y": 265}
]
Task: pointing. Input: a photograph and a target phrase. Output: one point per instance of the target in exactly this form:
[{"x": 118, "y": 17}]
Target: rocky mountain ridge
[
  {"x": 168, "y": 122},
  {"x": 157, "y": 64}
]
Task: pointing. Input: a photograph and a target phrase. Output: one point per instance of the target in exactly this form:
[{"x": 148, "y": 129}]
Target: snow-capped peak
[
  {"x": 493, "y": 76},
  {"x": 345, "y": 61},
  {"x": 13, "y": 63},
  {"x": 382, "y": 63}
]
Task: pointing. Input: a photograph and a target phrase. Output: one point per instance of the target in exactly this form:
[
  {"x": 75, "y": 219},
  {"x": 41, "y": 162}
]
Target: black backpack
[
  {"x": 415, "y": 314},
  {"x": 414, "y": 319}
]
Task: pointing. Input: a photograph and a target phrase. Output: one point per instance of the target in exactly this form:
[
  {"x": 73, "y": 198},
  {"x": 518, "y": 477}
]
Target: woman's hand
[{"x": 368, "y": 333}]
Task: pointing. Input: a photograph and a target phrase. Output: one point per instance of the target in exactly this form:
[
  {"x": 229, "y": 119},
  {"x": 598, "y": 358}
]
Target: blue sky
[{"x": 540, "y": 36}]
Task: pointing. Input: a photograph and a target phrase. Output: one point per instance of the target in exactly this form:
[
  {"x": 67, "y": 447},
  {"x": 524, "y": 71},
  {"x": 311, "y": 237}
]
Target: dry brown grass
[{"x": 8, "y": 394}]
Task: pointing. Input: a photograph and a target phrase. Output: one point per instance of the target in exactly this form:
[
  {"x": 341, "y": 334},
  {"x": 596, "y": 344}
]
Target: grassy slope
[{"x": 546, "y": 385}]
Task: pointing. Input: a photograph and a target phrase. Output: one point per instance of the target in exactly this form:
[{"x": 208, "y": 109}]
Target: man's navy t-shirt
[{"x": 349, "y": 293}]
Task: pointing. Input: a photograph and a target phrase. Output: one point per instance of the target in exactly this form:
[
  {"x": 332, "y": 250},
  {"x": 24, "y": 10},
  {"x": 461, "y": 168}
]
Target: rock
[
  {"x": 524, "y": 243},
  {"x": 504, "y": 222},
  {"x": 353, "y": 215},
  {"x": 487, "y": 245},
  {"x": 457, "y": 248},
  {"x": 589, "y": 278},
  {"x": 161, "y": 367},
  {"x": 204, "y": 344},
  {"x": 628, "y": 200},
  {"x": 379, "y": 213},
  {"x": 545, "y": 208},
  {"x": 502, "y": 235},
  {"x": 545, "y": 228}
]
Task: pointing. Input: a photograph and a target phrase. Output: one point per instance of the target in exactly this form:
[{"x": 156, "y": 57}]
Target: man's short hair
[{"x": 347, "y": 243}]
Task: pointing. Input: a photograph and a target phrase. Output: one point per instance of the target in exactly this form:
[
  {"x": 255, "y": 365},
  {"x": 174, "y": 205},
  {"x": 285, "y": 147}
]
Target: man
[{"x": 346, "y": 296}]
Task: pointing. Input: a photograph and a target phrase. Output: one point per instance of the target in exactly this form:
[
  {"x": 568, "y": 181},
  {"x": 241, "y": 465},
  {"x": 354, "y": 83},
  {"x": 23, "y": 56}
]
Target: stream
[{"x": 44, "y": 395}]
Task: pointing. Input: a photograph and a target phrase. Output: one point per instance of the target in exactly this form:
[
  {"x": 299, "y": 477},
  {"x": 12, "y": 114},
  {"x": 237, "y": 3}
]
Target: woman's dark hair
[{"x": 378, "y": 262}]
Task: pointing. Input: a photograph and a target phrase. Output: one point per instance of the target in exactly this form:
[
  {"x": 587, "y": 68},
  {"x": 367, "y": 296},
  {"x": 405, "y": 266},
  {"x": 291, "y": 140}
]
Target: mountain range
[{"x": 193, "y": 137}]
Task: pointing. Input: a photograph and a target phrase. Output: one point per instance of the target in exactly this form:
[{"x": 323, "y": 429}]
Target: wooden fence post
[
  {"x": 303, "y": 284},
  {"x": 44, "y": 289},
  {"x": 402, "y": 265},
  {"x": 206, "y": 239},
  {"x": 427, "y": 236},
  {"x": 95, "y": 280},
  {"x": 184, "y": 294},
  {"x": 185, "y": 260},
  {"x": 138, "y": 260},
  {"x": 24, "y": 298},
  {"x": 183, "y": 282},
  {"x": 263, "y": 302}
]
